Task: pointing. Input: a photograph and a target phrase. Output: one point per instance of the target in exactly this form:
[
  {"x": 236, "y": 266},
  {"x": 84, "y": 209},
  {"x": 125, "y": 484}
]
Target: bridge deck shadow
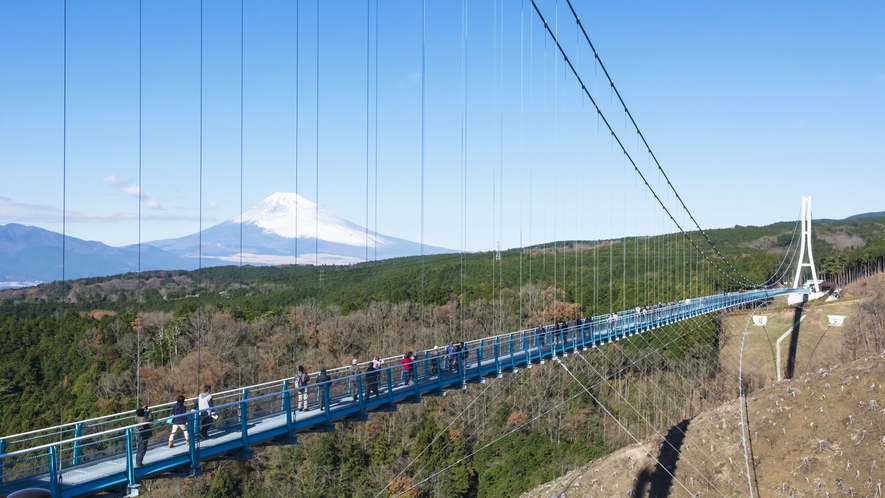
[
  {"x": 790, "y": 369},
  {"x": 660, "y": 482}
]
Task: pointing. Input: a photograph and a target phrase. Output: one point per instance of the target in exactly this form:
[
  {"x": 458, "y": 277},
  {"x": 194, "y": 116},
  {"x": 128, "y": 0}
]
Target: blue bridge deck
[{"x": 97, "y": 455}]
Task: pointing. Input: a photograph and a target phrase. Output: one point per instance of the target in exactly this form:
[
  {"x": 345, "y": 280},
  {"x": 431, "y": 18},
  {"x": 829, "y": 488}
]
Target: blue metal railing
[{"x": 94, "y": 455}]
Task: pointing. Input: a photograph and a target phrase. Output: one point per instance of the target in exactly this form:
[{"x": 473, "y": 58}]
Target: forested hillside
[{"x": 76, "y": 349}]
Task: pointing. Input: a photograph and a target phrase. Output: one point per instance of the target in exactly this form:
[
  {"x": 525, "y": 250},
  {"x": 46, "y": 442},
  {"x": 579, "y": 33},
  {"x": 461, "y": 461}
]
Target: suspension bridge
[{"x": 97, "y": 455}]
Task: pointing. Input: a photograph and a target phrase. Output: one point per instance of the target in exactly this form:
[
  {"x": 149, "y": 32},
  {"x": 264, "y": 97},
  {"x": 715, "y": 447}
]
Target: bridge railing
[{"x": 598, "y": 324}]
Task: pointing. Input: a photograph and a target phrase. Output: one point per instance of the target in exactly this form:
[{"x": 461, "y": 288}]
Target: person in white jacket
[{"x": 204, "y": 404}]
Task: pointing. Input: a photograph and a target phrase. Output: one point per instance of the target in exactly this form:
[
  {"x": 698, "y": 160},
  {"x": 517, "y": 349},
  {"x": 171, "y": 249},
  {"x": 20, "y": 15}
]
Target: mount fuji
[{"x": 273, "y": 229}]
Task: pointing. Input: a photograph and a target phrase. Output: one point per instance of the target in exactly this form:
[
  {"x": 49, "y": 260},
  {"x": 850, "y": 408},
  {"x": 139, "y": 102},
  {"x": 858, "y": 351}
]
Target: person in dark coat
[
  {"x": 179, "y": 421},
  {"x": 143, "y": 433},
  {"x": 372, "y": 377},
  {"x": 322, "y": 379}
]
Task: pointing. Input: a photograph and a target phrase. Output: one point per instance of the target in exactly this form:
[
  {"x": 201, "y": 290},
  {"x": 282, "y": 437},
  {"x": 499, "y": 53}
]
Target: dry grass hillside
[{"x": 821, "y": 433}]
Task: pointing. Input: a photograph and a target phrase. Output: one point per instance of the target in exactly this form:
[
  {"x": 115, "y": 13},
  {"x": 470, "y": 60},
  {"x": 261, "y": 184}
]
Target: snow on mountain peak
[{"x": 282, "y": 212}]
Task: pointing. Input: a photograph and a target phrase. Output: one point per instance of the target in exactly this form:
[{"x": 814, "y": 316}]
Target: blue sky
[{"x": 748, "y": 106}]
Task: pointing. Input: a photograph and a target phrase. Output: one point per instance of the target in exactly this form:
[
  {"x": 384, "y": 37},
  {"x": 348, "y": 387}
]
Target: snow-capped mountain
[{"x": 273, "y": 229}]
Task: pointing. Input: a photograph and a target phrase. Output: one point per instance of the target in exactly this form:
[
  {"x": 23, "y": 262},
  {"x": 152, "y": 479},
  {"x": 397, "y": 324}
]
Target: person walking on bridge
[
  {"x": 206, "y": 415},
  {"x": 143, "y": 433},
  {"x": 322, "y": 379},
  {"x": 406, "y": 365},
  {"x": 372, "y": 375},
  {"x": 179, "y": 421},
  {"x": 354, "y": 371},
  {"x": 301, "y": 380}
]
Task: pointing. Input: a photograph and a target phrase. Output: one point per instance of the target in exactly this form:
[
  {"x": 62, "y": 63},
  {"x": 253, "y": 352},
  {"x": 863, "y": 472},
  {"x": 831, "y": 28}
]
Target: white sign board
[
  {"x": 760, "y": 321},
  {"x": 836, "y": 320}
]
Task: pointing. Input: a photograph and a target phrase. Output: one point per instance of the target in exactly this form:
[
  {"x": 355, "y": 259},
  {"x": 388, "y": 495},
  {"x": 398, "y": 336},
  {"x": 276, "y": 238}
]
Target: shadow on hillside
[
  {"x": 660, "y": 482},
  {"x": 790, "y": 369}
]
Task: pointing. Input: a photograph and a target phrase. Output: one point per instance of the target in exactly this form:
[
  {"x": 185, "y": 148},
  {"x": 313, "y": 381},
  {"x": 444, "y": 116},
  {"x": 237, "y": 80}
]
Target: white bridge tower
[{"x": 806, "y": 241}]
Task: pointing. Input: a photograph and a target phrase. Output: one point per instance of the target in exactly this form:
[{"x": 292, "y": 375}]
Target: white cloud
[
  {"x": 111, "y": 181},
  {"x": 133, "y": 191},
  {"x": 213, "y": 205},
  {"x": 18, "y": 212},
  {"x": 153, "y": 204}
]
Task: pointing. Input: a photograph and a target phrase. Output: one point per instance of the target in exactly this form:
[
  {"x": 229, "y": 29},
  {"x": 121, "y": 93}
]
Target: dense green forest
[{"x": 70, "y": 350}]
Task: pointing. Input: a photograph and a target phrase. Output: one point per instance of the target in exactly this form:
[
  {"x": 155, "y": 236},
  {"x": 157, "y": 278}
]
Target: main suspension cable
[
  {"x": 617, "y": 139},
  {"x": 642, "y": 137}
]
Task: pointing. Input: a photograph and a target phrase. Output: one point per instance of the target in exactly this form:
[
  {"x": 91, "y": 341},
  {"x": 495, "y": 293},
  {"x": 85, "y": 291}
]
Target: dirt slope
[{"x": 817, "y": 434}]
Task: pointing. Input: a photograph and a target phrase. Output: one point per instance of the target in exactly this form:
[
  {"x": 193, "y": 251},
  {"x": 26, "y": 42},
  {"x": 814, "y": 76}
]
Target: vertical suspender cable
[
  {"x": 316, "y": 316},
  {"x": 200, "y": 250},
  {"x": 138, "y": 319},
  {"x": 242, "y": 100},
  {"x": 377, "y": 15},
  {"x": 531, "y": 134},
  {"x": 624, "y": 242},
  {"x": 464, "y": 16},
  {"x": 297, "y": 152},
  {"x": 521, "y": 149},
  {"x": 423, "y": 119},
  {"x": 555, "y": 161},
  {"x": 501, "y": 180},
  {"x": 494, "y": 173},
  {"x": 368, "y": 14},
  {"x": 64, "y": 212}
]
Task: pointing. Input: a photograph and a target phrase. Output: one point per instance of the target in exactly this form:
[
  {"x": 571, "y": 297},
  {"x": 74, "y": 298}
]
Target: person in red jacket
[{"x": 407, "y": 367}]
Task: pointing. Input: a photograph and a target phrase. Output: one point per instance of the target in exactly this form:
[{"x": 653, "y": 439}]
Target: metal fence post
[
  {"x": 525, "y": 348},
  {"x": 496, "y": 349},
  {"x": 78, "y": 431},
  {"x": 326, "y": 401},
  {"x": 287, "y": 407},
  {"x": 192, "y": 442},
  {"x": 510, "y": 349},
  {"x": 54, "y": 483},
  {"x": 478, "y": 357},
  {"x": 360, "y": 393},
  {"x": 130, "y": 469},
  {"x": 244, "y": 430}
]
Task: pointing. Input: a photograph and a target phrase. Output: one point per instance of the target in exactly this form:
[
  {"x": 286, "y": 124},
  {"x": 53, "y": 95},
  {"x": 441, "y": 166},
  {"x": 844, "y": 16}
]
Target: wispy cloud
[
  {"x": 131, "y": 190},
  {"x": 154, "y": 204},
  {"x": 111, "y": 181},
  {"x": 213, "y": 205},
  {"x": 18, "y": 212}
]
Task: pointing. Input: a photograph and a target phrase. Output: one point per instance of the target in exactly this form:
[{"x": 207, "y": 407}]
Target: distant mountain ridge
[
  {"x": 30, "y": 254},
  {"x": 880, "y": 214},
  {"x": 271, "y": 233}
]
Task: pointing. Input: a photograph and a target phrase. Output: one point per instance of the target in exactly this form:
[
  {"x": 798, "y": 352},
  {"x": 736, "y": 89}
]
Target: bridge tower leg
[{"x": 806, "y": 241}]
